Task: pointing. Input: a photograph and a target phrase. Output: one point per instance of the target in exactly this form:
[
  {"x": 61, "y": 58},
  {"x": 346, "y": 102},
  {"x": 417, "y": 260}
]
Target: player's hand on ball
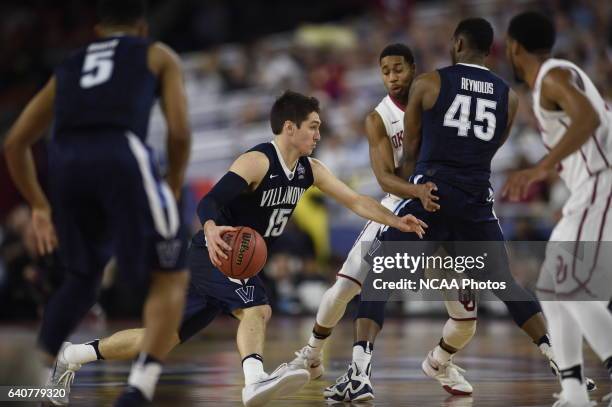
[
  {"x": 409, "y": 223},
  {"x": 426, "y": 196},
  {"x": 519, "y": 182},
  {"x": 217, "y": 248},
  {"x": 44, "y": 231}
]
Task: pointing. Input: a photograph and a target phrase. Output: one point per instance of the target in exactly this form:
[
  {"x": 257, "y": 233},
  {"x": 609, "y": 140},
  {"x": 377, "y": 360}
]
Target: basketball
[{"x": 248, "y": 256}]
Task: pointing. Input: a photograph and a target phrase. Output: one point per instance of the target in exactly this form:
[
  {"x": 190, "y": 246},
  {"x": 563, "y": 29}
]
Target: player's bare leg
[
  {"x": 332, "y": 308},
  {"x": 163, "y": 311},
  {"x": 259, "y": 387}
]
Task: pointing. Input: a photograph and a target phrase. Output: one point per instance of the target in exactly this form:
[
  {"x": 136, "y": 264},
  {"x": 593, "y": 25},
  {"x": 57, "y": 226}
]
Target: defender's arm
[
  {"x": 362, "y": 205},
  {"x": 383, "y": 165},
  {"x": 560, "y": 86}
]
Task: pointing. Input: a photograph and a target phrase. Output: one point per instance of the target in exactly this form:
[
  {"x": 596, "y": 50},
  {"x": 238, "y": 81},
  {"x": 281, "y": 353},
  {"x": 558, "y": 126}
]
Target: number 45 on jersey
[{"x": 485, "y": 117}]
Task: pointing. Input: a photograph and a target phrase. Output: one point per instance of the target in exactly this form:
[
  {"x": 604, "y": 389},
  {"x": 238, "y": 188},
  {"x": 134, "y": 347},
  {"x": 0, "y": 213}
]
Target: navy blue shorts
[
  {"x": 466, "y": 215},
  {"x": 211, "y": 293},
  {"x": 108, "y": 199}
]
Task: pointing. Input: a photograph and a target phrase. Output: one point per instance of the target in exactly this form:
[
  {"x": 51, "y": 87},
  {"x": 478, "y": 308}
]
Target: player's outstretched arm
[
  {"x": 560, "y": 88},
  {"x": 29, "y": 128},
  {"x": 166, "y": 65},
  {"x": 423, "y": 95},
  {"x": 383, "y": 165},
  {"x": 244, "y": 174},
  {"x": 362, "y": 205}
]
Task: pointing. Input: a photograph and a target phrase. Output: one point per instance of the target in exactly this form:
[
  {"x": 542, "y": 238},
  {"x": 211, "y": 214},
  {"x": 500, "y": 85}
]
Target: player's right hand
[
  {"x": 44, "y": 231},
  {"x": 410, "y": 223},
  {"x": 217, "y": 248},
  {"x": 425, "y": 193}
]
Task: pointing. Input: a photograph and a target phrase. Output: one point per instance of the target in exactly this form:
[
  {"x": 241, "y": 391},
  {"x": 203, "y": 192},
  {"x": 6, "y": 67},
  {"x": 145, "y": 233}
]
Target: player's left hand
[
  {"x": 518, "y": 182},
  {"x": 410, "y": 223},
  {"x": 44, "y": 231},
  {"x": 427, "y": 197}
]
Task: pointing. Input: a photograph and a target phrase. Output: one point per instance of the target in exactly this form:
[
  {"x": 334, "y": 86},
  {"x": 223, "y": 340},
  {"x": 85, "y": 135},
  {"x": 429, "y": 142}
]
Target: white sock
[
  {"x": 595, "y": 320},
  {"x": 440, "y": 355},
  {"x": 316, "y": 344},
  {"x": 252, "y": 366},
  {"x": 575, "y": 392},
  {"x": 361, "y": 357},
  {"x": 80, "y": 353},
  {"x": 566, "y": 339},
  {"x": 144, "y": 376}
]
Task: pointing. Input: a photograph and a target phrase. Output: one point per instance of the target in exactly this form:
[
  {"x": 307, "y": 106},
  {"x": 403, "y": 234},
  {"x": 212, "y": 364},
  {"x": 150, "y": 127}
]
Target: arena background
[{"x": 238, "y": 56}]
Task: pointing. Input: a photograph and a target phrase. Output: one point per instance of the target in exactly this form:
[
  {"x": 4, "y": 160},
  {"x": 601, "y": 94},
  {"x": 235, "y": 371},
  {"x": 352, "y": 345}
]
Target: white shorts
[
  {"x": 578, "y": 263},
  {"x": 356, "y": 270}
]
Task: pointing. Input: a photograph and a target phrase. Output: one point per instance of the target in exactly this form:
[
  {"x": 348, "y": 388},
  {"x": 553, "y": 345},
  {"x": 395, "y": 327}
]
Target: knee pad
[
  {"x": 374, "y": 310},
  {"x": 334, "y": 301},
  {"x": 458, "y": 333}
]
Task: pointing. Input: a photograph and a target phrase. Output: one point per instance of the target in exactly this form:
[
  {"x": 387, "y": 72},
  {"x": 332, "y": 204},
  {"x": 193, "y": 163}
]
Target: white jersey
[
  {"x": 392, "y": 116},
  {"x": 593, "y": 156}
]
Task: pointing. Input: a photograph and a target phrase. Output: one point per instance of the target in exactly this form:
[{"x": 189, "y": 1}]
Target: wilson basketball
[{"x": 248, "y": 256}]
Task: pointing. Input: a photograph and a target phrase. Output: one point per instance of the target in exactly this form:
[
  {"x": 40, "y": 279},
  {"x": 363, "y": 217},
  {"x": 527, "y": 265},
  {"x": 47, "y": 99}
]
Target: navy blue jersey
[
  {"x": 465, "y": 127},
  {"x": 268, "y": 208},
  {"x": 105, "y": 87}
]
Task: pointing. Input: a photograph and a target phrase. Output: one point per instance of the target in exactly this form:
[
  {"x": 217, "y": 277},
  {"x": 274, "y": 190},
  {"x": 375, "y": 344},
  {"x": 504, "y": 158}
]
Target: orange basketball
[{"x": 248, "y": 256}]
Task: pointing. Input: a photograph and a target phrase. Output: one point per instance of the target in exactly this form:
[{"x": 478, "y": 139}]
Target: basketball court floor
[{"x": 505, "y": 369}]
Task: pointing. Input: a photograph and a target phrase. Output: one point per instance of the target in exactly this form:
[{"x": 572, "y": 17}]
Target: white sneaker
[
  {"x": 282, "y": 382},
  {"x": 306, "y": 359},
  {"x": 449, "y": 375},
  {"x": 563, "y": 402},
  {"x": 354, "y": 385},
  {"x": 549, "y": 354},
  {"x": 62, "y": 376}
]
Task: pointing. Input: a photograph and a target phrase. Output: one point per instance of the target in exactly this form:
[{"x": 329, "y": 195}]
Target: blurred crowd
[{"x": 238, "y": 56}]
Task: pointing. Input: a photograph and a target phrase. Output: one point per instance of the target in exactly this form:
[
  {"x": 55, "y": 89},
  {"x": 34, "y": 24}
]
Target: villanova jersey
[
  {"x": 463, "y": 130},
  {"x": 268, "y": 208},
  {"x": 105, "y": 87}
]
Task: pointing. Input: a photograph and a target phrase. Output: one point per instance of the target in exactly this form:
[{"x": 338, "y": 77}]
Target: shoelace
[
  {"x": 344, "y": 377},
  {"x": 66, "y": 378}
]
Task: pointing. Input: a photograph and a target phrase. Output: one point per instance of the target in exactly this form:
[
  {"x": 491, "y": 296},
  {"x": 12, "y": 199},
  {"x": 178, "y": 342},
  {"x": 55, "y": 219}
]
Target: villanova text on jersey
[
  {"x": 464, "y": 129},
  {"x": 267, "y": 209}
]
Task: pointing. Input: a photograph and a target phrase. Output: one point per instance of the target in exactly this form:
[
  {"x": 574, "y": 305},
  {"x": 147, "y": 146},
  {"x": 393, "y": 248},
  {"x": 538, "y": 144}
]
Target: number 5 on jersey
[
  {"x": 278, "y": 221},
  {"x": 461, "y": 105},
  {"x": 98, "y": 64}
]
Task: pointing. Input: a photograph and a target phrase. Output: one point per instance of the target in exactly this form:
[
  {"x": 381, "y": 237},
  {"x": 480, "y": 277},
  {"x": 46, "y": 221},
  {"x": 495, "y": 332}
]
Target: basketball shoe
[
  {"x": 354, "y": 385},
  {"x": 62, "y": 376},
  {"x": 548, "y": 353},
  {"x": 305, "y": 358},
  {"x": 281, "y": 382},
  {"x": 563, "y": 402},
  {"x": 449, "y": 375}
]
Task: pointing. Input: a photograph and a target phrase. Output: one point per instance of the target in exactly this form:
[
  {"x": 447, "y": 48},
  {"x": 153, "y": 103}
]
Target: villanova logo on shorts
[
  {"x": 246, "y": 293},
  {"x": 168, "y": 252}
]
